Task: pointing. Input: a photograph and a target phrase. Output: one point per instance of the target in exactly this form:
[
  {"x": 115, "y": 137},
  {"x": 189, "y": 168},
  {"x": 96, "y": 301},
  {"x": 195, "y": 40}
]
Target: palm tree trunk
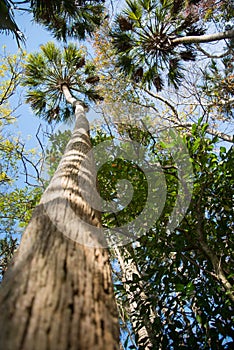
[
  {"x": 196, "y": 39},
  {"x": 58, "y": 293}
]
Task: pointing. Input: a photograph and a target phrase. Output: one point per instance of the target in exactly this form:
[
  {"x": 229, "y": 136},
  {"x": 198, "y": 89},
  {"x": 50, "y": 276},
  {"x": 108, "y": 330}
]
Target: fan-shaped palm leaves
[
  {"x": 70, "y": 18},
  {"x": 153, "y": 37},
  {"x": 45, "y": 74}
]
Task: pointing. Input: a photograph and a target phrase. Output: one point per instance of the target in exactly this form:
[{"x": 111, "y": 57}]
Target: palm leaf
[{"x": 7, "y": 22}]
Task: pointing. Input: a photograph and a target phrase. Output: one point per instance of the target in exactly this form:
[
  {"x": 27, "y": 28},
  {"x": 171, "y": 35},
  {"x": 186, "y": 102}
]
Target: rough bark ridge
[{"x": 58, "y": 294}]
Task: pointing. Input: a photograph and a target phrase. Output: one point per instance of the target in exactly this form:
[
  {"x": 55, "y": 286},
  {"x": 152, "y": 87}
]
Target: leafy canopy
[{"x": 183, "y": 275}]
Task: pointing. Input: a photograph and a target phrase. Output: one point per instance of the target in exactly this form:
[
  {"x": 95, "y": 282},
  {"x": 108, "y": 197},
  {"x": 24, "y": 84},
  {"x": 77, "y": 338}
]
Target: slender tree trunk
[
  {"x": 58, "y": 294},
  {"x": 144, "y": 332},
  {"x": 228, "y": 34},
  {"x": 211, "y": 254}
]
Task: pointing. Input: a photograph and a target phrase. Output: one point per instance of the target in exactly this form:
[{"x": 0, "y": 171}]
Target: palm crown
[
  {"x": 47, "y": 71},
  {"x": 143, "y": 38}
]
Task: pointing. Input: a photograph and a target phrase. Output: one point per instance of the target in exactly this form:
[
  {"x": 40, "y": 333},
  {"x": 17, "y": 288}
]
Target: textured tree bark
[{"x": 58, "y": 294}]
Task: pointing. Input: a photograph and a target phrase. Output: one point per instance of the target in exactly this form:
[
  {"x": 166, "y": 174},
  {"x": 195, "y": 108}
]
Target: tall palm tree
[
  {"x": 153, "y": 37},
  {"x": 58, "y": 292}
]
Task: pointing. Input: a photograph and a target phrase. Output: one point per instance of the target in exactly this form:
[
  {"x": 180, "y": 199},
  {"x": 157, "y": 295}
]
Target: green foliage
[
  {"x": 11, "y": 67},
  {"x": 108, "y": 177},
  {"x": 180, "y": 271},
  {"x": 16, "y": 208},
  {"x": 47, "y": 71},
  {"x": 9, "y": 156},
  {"x": 218, "y": 86},
  {"x": 54, "y": 153}
]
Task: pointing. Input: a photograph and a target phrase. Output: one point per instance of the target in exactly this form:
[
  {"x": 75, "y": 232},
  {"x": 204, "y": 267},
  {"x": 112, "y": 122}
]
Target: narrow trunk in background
[
  {"x": 58, "y": 293},
  {"x": 143, "y": 329}
]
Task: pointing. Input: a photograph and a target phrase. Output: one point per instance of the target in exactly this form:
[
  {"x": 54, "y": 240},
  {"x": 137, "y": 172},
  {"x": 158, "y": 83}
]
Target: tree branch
[
  {"x": 193, "y": 39},
  {"x": 158, "y": 97},
  {"x": 211, "y": 55}
]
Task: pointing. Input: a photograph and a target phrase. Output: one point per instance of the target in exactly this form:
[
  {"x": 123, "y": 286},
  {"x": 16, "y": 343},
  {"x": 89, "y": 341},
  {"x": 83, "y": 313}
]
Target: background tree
[
  {"x": 152, "y": 37},
  {"x": 183, "y": 276},
  {"x": 199, "y": 94}
]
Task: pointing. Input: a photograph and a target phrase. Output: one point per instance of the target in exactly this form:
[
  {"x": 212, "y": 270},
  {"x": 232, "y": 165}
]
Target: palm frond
[
  {"x": 7, "y": 22},
  {"x": 69, "y": 18},
  {"x": 175, "y": 74}
]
